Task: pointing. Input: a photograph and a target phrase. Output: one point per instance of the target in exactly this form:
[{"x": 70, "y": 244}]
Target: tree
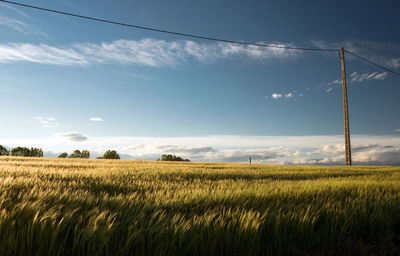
[
  {"x": 63, "y": 155},
  {"x": 36, "y": 152},
  {"x": 79, "y": 154},
  {"x": 76, "y": 154},
  {"x": 111, "y": 154},
  {"x": 85, "y": 154},
  {"x": 4, "y": 151},
  {"x": 20, "y": 151},
  {"x": 170, "y": 157}
]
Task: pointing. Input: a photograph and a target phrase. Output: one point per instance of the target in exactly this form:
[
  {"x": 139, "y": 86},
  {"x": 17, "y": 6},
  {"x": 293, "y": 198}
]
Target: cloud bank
[{"x": 318, "y": 150}]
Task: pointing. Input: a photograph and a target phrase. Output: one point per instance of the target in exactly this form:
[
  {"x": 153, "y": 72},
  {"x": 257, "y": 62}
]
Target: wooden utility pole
[{"x": 346, "y": 111}]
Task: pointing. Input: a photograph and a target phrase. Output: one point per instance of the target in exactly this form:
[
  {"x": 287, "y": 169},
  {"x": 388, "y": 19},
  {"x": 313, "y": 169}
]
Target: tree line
[
  {"x": 21, "y": 151},
  {"x": 109, "y": 154},
  {"x": 38, "y": 152},
  {"x": 169, "y": 157}
]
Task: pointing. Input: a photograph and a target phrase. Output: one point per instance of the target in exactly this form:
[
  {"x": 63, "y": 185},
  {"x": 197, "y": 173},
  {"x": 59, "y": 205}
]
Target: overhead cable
[
  {"x": 167, "y": 31},
  {"x": 373, "y": 63},
  {"x": 196, "y": 36}
]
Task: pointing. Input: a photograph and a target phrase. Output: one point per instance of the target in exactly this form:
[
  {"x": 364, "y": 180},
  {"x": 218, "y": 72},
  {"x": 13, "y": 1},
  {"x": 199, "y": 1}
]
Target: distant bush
[
  {"x": 4, "y": 151},
  {"x": 111, "y": 154},
  {"x": 79, "y": 154},
  {"x": 170, "y": 157},
  {"x": 63, "y": 155}
]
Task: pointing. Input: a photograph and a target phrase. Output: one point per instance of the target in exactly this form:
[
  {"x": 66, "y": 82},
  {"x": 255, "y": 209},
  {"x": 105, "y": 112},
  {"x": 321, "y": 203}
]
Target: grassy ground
[{"x": 105, "y": 207}]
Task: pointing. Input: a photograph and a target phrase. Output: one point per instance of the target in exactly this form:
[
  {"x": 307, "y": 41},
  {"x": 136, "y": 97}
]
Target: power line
[
  {"x": 196, "y": 36},
  {"x": 167, "y": 31},
  {"x": 373, "y": 63}
]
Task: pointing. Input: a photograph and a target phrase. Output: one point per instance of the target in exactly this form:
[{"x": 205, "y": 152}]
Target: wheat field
[{"x": 117, "y": 207}]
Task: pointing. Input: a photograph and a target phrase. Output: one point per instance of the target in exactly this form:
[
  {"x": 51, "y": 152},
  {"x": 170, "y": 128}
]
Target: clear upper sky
[{"x": 68, "y": 83}]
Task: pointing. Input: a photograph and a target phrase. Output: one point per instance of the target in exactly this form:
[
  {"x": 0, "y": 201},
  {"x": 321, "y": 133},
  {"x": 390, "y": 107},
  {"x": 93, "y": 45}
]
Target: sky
[{"x": 68, "y": 83}]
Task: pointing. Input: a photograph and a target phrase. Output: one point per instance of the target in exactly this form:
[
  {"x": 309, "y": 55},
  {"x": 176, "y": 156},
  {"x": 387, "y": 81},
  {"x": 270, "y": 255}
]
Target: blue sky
[{"x": 67, "y": 83}]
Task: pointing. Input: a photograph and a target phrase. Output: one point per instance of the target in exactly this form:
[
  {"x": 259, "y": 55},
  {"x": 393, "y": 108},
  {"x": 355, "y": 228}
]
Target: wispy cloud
[
  {"x": 14, "y": 24},
  {"x": 47, "y": 122},
  {"x": 355, "y": 77},
  {"x": 96, "y": 119},
  {"x": 289, "y": 95},
  {"x": 329, "y": 89},
  {"x": 20, "y": 26},
  {"x": 24, "y": 27},
  {"x": 145, "y": 52},
  {"x": 14, "y": 9},
  {"x": 73, "y": 136},
  {"x": 41, "y": 53},
  {"x": 396, "y": 130},
  {"x": 337, "y": 81}
]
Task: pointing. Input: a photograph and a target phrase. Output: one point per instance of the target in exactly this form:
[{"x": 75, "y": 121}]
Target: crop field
[{"x": 112, "y": 207}]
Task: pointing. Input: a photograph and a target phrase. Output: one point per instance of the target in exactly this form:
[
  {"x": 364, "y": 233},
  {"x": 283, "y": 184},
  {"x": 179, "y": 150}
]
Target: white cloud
[
  {"x": 297, "y": 153},
  {"x": 301, "y": 161},
  {"x": 47, "y": 122},
  {"x": 333, "y": 149},
  {"x": 329, "y": 89},
  {"x": 397, "y": 130},
  {"x": 73, "y": 136},
  {"x": 276, "y": 95},
  {"x": 387, "y": 156},
  {"x": 145, "y": 52},
  {"x": 96, "y": 119},
  {"x": 288, "y": 95}
]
